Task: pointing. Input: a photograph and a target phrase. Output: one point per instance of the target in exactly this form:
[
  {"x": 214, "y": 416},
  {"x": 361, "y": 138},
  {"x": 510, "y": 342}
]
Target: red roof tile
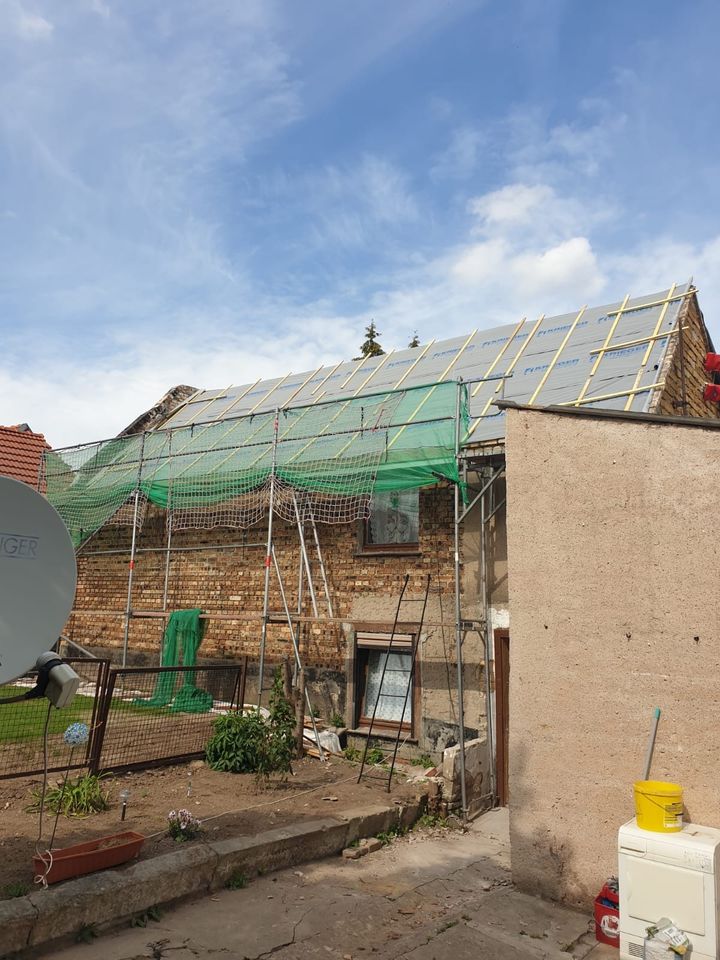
[{"x": 20, "y": 453}]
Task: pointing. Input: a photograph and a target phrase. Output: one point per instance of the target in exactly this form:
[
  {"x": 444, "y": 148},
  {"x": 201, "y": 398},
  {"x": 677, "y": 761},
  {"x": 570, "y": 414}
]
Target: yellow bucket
[{"x": 659, "y": 806}]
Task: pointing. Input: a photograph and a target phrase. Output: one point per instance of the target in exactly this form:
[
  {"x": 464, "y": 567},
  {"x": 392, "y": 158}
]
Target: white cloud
[
  {"x": 31, "y": 26},
  {"x": 24, "y": 23},
  {"x": 512, "y": 204},
  {"x": 460, "y": 158}
]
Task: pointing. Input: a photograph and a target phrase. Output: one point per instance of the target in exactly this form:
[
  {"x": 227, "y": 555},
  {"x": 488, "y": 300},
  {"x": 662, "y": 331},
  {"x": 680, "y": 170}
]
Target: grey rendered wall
[{"x": 613, "y": 543}]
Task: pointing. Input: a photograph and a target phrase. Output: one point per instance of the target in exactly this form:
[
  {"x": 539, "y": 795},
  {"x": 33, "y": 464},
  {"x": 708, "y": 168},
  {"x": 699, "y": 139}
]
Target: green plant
[
  {"x": 375, "y": 755},
  {"x": 424, "y": 760},
  {"x": 249, "y": 743},
  {"x": 396, "y": 830},
  {"x": 237, "y": 881},
  {"x": 337, "y": 720},
  {"x": 77, "y": 798},
  {"x": 142, "y": 919},
  {"x": 12, "y": 890},
  {"x": 430, "y": 821},
  {"x": 86, "y": 933},
  {"x": 352, "y": 754},
  {"x": 182, "y": 825}
]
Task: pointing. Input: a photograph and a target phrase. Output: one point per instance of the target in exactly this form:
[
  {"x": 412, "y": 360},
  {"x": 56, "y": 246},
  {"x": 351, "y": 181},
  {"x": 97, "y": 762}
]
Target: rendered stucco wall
[{"x": 613, "y": 553}]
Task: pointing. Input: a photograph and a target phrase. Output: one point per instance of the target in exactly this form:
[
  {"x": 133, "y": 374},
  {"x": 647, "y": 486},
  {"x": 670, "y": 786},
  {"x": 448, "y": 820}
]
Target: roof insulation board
[{"x": 548, "y": 361}]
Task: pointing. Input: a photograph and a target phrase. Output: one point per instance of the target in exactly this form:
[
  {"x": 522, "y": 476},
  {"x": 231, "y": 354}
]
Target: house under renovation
[{"x": 298, "y": 512}]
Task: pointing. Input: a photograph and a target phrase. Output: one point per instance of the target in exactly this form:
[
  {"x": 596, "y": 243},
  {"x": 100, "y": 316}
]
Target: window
[
  {"x": 394, "y": 521},
  {"x": 388, "y": 700}
]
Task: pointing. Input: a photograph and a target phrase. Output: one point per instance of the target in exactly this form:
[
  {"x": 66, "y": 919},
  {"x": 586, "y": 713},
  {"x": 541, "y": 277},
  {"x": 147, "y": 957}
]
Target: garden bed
[{"x": 237, "y": 803}]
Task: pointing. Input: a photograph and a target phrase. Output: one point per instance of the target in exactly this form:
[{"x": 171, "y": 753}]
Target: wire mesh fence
[
  {"x": 22, "y": 725},
  {"x": 153, "y": 715},
  {"x": 137, "y": 717}
]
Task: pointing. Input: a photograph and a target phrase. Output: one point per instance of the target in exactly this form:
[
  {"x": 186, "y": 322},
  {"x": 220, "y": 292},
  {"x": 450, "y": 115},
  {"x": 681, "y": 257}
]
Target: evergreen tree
[
  {"x": 371, "y": 347},
  {"x": 415, "y": 342}
]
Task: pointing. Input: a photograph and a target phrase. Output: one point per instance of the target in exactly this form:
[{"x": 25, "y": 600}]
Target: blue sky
[{"x": 205, "y": 193}]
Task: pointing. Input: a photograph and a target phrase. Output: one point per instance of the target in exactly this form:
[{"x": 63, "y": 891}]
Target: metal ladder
[{"x": 383, "y": 776}]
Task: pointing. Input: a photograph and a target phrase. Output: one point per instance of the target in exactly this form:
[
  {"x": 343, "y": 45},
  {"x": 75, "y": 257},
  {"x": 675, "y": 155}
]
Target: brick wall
[
  {"x": 691, "y": 354},
  {"x": 223, "y": 573}
]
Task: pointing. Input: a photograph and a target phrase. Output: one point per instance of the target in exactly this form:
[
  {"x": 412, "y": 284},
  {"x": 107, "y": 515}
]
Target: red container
[
  {"x": 607, "y": 924},
  {"x": 712, "y": 392},
  {"x": 91, "y": 856},
  {"x": 712, "y": 362}
]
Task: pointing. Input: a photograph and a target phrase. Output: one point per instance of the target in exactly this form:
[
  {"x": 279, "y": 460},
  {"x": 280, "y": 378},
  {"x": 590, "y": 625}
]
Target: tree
[
  {"x": 371, "y": 347},
  {"x": 415, "y": 342}
]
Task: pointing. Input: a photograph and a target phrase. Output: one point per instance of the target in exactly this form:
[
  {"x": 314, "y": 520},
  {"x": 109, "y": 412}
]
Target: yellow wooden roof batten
[
  {"x": 601, "y": 352},
  {"x": 499, "y": 357},
  {"x": 413, "y": 365},
  {"x": 509, "y": 370},
  {"x": 648, "y": 350},
  {"x": 555, "y": 359},
  {"x": 430, "y": 392}
]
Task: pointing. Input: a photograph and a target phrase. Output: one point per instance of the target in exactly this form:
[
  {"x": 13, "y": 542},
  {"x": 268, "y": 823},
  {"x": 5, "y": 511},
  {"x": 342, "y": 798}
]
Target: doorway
[{"x": 502, "y": 713}]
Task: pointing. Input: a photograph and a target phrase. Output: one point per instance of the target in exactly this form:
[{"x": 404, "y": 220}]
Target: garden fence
[{"x": 138, "y": 717}]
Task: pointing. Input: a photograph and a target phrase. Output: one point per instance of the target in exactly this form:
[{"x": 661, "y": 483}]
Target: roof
[
  {"x": 595, "y": 352},
  {"x": 20, "y": 453}
]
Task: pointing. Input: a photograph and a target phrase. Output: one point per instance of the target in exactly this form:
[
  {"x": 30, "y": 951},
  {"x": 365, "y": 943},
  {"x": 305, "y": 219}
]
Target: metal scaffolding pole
[
  {"x": 268, "y": 559},
  {"x": 131, "y": 566},
  {"x": 321, "y": 563},
  {"x": 458, "y": 613},
  {"x": 487, "y": 630},
  {"x": 296, "y": 651},
  {"x": 304, "y": 555},
  {"x": 168, "y": 545}
]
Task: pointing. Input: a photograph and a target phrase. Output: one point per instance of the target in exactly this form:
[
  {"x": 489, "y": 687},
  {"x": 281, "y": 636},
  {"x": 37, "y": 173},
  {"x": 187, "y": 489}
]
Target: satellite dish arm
[{"x": 56, "y": 680}]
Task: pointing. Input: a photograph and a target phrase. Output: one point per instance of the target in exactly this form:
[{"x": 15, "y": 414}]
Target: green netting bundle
[{"x": 184, "y": 632}]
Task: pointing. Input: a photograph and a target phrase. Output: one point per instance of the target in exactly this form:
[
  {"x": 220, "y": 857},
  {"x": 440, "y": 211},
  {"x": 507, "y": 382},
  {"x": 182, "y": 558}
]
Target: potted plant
[
  {"x": 80, "y": 798},
  {"x": 82, "y": 858}
]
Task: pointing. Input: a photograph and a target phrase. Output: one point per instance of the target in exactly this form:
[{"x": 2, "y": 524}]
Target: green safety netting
[
  {"x": 326, "y": 458},
  {"x": 183, "y": 631}
]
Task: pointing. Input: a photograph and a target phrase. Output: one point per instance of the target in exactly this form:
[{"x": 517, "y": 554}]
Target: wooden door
[{"x": 502, "y": 713}]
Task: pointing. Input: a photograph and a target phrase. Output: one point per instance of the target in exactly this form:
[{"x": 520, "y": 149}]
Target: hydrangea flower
[{"x": 76, "y": 734}]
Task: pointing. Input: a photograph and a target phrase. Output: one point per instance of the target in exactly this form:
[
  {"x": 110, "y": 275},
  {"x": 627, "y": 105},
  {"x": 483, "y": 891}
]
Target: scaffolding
[{"x": 321, "y": 463}]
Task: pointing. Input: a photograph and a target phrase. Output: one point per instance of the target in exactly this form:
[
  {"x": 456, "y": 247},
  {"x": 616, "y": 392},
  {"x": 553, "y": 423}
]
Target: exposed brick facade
[
  {"x": 229, "y": 580},
  {"x": 688, "y": 357}
]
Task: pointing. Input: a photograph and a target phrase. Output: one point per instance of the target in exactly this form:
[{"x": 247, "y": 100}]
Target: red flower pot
[{"x": 91, "y": 856}]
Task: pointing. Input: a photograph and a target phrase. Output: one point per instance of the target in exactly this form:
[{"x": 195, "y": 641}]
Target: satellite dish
[{"x": 38, "y": 575}]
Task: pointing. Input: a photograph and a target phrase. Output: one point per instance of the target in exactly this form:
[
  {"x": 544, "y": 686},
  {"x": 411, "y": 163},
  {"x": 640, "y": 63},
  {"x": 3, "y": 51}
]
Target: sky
[{"x": 206, "y": 193}]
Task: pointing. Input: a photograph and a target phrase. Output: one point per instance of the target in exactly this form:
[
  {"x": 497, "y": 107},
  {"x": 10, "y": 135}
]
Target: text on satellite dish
[{"x": 15, "y": 546}]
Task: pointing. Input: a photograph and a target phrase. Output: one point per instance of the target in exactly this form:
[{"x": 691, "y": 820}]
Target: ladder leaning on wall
[{"x": 381, "y": 771}]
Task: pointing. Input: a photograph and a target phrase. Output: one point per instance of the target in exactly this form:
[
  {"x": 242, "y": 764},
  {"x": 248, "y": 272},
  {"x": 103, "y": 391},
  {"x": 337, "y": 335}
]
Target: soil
[{"x": 231, "y": 804}]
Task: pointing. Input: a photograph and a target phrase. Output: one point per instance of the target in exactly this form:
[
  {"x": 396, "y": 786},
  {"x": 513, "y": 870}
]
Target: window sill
[
  {"x": 410, "y": 551},
  {"x": 382, "y": 734}
]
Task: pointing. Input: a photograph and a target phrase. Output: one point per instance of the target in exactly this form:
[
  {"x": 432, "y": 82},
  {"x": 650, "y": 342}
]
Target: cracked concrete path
[{"x": 447, "y": 895}]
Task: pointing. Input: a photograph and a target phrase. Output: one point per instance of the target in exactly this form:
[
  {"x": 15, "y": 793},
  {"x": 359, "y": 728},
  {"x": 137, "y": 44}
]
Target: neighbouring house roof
[
  {"x": 548, "y": 360},
  {"x": 21, "y": 451}
]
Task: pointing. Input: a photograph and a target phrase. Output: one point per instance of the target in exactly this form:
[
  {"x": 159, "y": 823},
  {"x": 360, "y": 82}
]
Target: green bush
[{"x": 250, "y": 743}]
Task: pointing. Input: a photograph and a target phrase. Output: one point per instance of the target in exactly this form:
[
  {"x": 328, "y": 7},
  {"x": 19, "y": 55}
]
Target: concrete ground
[{"x": 447, "y": 895}]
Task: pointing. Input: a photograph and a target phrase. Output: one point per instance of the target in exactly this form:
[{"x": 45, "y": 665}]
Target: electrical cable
[{"x": 45, "y": 856}]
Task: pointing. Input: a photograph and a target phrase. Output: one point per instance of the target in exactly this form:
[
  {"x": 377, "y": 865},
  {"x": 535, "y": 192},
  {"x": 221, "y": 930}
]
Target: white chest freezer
[{"x": 674, "y": 875}]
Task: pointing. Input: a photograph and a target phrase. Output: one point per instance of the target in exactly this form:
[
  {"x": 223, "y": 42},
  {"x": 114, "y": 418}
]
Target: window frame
[
  {"x": 367, "y": 641},
  {"x": 411, "y": 548}
]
